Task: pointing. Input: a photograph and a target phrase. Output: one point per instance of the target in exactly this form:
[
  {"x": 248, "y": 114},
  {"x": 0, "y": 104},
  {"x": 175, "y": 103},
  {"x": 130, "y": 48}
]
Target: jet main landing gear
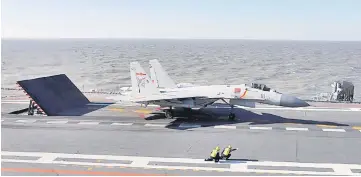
[
  {"x": 169, "y": 113},
  {"x": 231, "y": 115}
]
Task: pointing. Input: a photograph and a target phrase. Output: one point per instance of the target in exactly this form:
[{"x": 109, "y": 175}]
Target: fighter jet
[
  {"x": 269, "y": 96},
  {"x": 146, "y": 91},
  {"x": 165, "y": 84}
]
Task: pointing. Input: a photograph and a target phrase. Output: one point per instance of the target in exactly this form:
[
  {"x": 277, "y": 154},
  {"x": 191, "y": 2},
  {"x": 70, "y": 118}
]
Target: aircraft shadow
[{"x": 220, "y": 117}]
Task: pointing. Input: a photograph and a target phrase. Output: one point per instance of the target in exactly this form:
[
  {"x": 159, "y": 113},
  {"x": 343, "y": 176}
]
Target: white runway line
[
  {"x": 14, "y": 102},
  {"x": 306, "y": 109},
  {"x": 296, "y": 129},
  {"x": 189, "y": 125},
  {"x": 260, "y": 128},
  {"x": 57, "y": 122},
  {"x": 155, "y": 125},
  {"x": 25, "y": 121},
  {"x": 333, "y": 130},
  {"x": 125, "y": 124},
  {"x": 225, "y": 126},
  {"x": 88, "y": 123},
  {"x": 140, "y": 162},
  {"x": 46, "y": 158},
  {"x": 197, "y": 164},
  {"x": 342, "y": 169}
]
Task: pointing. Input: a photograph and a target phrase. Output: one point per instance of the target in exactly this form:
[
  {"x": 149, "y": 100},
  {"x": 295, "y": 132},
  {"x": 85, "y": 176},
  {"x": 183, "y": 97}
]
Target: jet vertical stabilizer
[
  {"x": 159, "y": 76},
  {"x": 141, "y": 85}
]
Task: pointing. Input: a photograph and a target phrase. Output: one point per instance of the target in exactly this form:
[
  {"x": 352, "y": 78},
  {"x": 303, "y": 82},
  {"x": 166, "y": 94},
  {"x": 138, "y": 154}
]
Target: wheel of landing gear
[
  {"x": 168, "y": 114},
  {"x": 231, "y": 116}
]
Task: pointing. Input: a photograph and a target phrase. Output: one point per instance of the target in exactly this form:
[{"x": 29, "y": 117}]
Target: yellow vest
[
  {"x": 226, "y": 151},
  {"x": 214, "y": 153}
]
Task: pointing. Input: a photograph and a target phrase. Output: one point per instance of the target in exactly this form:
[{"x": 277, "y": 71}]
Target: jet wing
[
  {"x": 141, "y": 98},
  {"x": 169, "y": 96}
]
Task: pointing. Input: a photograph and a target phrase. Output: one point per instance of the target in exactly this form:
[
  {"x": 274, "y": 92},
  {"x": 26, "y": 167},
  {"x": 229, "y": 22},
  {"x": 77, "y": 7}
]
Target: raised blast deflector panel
[{"x": 54, "y": 94}]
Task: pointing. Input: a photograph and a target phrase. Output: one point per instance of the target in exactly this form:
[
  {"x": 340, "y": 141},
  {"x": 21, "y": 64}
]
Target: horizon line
[{"x": 156, "y": 38}]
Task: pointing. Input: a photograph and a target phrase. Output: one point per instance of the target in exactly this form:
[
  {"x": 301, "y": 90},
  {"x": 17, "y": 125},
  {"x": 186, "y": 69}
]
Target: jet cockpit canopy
[{"x": 262, "y": 87}]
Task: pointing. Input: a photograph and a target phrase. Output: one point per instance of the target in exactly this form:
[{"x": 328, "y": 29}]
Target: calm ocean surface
[{"x": 300, "y": 68}]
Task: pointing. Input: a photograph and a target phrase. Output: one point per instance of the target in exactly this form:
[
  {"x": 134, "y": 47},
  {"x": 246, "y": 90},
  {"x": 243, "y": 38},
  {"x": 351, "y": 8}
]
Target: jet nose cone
[{"x": 291, "y": 101}]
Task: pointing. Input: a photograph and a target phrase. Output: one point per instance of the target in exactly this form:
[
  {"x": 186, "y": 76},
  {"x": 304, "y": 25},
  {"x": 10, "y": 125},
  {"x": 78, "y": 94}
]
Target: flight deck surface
[
  {"x": 125, "y": 139},
  {"x": 270, "y": 142},
  {"x": 260, "y": 150}
]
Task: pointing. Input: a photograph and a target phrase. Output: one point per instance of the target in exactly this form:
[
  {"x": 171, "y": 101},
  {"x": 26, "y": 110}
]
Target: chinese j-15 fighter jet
[{"x": 160, "y": 89}]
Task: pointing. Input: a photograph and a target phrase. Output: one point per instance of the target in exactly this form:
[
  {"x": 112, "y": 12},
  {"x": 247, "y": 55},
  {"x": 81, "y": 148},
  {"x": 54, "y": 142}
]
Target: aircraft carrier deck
[{"x": 103, "y": 138}]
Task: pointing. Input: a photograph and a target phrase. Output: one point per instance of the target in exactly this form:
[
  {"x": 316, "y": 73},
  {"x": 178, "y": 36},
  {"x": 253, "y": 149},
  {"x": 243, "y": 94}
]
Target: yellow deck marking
[
  {"x": 116, "y": 109},
  {"x": 328, "y": 126},
  {"x": 99, "y": 160},
  {"x": 144, "y": 111},
  {"x": 90, "y": 168},
  {"x": 357, "y": 127}
]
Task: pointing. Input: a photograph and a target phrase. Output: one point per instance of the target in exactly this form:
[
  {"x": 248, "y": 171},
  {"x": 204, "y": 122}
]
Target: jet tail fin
[
  {"x": 159, "y": 76},
  {"x": 141, "y": 84}
]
